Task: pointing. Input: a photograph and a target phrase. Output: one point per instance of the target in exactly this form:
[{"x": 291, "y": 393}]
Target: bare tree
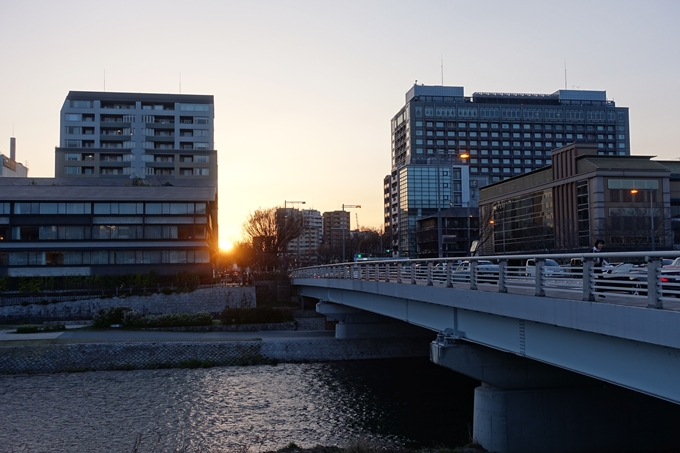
[{"x": 270, "y": 230}]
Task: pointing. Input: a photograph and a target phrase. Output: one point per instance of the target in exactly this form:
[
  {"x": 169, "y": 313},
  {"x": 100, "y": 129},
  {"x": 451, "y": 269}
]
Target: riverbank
[{"x": 102, "y": 350}]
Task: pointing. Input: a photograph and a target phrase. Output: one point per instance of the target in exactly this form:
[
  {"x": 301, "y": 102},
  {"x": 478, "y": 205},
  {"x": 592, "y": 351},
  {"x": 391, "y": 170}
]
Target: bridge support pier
[
  {"x": 355, "y": 323},
  {"x": 525, "y": 406}
]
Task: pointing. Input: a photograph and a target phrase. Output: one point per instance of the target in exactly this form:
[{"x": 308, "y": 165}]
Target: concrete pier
[{"x": 524, "y": 406}]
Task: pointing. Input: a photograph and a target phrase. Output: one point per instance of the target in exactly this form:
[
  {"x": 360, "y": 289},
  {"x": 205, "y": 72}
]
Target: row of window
[
  {"x": 104, "y": 208},
  {"x": 69, "y": 170},
  {"x": 127, "y": 131},
  {"x": 150, "y": 119},
  {"x": 91, "y": 157},
  {"x": 187, "y": 107},
  {"x": 524, "y": 126},
  {"x": 106, "y": 232},
  {"x": 524, "y": 135},
  {"x": 552, "y": 114},
  {"x": 79, "y": 258},
  {"x": 549, "y": 145},
  {"x": 127, "y": 144}
]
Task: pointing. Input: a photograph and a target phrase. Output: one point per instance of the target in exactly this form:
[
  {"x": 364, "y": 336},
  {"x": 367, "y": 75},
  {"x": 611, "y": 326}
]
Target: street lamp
[
  {"x": 348, "y": 206},
  {"x": 651, "y": 214}
]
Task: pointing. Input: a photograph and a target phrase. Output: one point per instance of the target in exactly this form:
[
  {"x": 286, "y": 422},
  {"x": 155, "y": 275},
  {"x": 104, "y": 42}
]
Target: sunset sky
[{"x": 305, "y": 90}]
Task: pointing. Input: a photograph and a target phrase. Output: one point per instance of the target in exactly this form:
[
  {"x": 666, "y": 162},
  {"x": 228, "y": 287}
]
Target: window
[
  {"x": 72, "y": 170},
  {"x": 73, "y": 117},
  {"x": 201, "y": 171}
]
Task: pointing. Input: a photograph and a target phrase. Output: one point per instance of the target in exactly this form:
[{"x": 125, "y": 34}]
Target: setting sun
[{"x": 225, "y": 244}]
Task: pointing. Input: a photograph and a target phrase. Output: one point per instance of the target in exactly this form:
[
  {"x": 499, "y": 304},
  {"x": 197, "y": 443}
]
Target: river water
[{"x": 409, "y": 402}]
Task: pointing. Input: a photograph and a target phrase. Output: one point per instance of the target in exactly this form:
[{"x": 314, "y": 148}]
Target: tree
[{"x": 269, "y": 231}]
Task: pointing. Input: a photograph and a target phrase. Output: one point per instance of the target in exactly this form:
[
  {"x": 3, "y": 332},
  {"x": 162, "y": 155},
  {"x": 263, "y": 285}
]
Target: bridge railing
[{"x": 629, "y": 278}]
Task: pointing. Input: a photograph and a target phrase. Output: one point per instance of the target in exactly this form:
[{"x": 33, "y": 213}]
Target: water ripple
[{"x": 258, "y": 408}]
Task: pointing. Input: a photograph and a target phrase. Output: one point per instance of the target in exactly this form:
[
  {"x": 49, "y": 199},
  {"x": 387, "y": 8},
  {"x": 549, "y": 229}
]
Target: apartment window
[
  {"x": 201, "y": 171},
  {"x": 195, "y": 107},
  {"x": 201, "y": 120},
  {"x": 73, "y": 117},
  {"x": 72, "y": 143},
  {"x": 78, "y": 104},
  {"x": 72, "y": 170},
  {"x": 72, "y": 156}
]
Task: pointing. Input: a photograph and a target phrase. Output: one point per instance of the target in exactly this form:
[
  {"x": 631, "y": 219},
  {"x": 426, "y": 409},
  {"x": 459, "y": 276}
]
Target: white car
[{"x": 551, "y": 268}]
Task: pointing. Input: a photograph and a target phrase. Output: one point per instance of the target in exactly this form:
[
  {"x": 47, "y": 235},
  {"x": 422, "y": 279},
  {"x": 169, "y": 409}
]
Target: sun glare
[{"x": 225, "y": 244}]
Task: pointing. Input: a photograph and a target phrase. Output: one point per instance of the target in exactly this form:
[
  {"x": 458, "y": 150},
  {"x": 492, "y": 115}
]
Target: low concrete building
[
  {"x": 58, "y": 227},
  {"x": 582, "y": 196}
]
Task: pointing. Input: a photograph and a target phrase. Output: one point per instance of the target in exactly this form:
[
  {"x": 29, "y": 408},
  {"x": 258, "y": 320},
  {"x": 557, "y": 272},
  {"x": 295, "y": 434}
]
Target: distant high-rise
[
  {"x": 136, "y": 135},
  {"x": 445, "y": 145}
]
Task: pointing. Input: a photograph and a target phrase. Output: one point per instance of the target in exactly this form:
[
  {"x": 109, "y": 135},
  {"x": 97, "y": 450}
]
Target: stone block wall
[
  {"x": 53, "y": 358},
  {"x": 213, "y": 300}
]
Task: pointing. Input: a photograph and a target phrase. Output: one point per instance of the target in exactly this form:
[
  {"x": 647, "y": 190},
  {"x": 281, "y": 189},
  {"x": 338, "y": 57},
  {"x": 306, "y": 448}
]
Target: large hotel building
[
  {"x": 446, "y": 145},
  {"x": 135, "y": 190}
]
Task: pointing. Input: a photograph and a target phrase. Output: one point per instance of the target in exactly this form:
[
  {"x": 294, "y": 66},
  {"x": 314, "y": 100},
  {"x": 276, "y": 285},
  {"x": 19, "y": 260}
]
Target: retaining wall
[
  {"x": 213, "y": 300},
  {"x": 54, "y": 358}
]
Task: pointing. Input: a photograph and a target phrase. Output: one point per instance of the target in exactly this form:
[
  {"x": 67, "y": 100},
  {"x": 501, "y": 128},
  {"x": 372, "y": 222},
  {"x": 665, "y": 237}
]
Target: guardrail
[{"x": 640, "y": 280}]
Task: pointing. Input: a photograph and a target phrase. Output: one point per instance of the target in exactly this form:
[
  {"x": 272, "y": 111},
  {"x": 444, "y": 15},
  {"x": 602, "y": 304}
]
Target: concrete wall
[
  {"x": 212, "y": 300},
  {"x": 55, "y": 358}
]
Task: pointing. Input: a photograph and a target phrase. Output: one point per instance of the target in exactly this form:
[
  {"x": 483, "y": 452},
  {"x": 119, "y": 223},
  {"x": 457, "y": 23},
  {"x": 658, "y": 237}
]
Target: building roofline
[{"x": 152, "y": 97}]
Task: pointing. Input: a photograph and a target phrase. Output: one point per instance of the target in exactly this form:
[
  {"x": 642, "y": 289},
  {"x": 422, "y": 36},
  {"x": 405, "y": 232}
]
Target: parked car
[
  {"x": 551, "y": 268},
  {"x": 630, "y": 278},
  {"x": 485, "y": 268}
]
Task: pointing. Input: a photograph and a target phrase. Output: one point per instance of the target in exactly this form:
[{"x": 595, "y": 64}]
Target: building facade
[
  {"x": 489, "y": 137},
  {"x": 157, "y": 137},
  {"x": 135, "y": 191},
  {"x": 336, "y": 231},
  {"x": 60, "y": 227},
  {"x": 305, "y": 247},
  {"x": 583, "y": 196}
]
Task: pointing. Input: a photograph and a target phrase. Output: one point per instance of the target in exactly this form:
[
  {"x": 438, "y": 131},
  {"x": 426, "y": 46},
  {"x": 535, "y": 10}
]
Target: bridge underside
[{"x": 531, "y": 399}]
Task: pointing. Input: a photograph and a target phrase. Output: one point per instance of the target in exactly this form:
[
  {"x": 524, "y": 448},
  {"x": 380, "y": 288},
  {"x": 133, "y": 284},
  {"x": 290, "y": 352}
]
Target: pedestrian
[{"x": 598, "y": 262}]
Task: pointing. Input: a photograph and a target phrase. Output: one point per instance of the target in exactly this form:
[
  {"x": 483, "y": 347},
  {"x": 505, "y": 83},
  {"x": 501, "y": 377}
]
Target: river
[{"x": 408, "y": 402}]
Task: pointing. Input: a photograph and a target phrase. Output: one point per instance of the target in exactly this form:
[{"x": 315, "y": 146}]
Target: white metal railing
[{"x": 641, "y": 281}]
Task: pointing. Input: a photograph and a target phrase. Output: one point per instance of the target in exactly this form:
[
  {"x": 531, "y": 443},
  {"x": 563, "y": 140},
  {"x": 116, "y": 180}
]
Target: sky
[{"x": 305, "y": 89}]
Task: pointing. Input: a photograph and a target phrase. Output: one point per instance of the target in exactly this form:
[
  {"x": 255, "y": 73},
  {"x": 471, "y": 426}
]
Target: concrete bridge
[{"x": 570, "y": 360}]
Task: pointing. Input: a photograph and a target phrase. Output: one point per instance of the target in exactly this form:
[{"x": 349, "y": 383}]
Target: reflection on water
[{"x": 403, "y": 401}]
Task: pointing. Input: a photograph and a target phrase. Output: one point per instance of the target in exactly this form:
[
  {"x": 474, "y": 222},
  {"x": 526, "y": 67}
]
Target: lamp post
[
  {"x": 348, "y": 206},
  {"x": 651, "y": 214},
  {"x": 464, "y": 156},
  {"x": 297, "y": 239}
]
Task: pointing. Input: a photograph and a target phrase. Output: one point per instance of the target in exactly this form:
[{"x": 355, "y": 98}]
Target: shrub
[
  {"x": 28, "y": 328},
  {"x": 107, "y": 316},
  {"x": 133, "y": 318},
  {"x": 231, "y": 316},
  {"x": 166, "y": 291}
]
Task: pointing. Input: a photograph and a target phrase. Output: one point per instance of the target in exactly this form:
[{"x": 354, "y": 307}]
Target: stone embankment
[
  {"x": 211, "y": 300},
  {"x": 52, "y": 358}
]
